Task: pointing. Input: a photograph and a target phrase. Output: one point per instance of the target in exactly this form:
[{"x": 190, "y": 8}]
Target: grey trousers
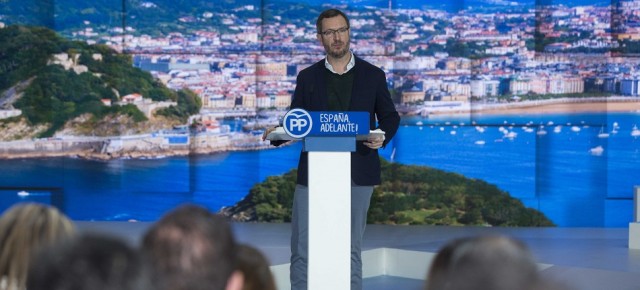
[{"x": 360, "y": 199}]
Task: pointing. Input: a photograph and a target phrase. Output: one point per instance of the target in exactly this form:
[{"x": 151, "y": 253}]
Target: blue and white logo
[{"x": 297, "y": 123}]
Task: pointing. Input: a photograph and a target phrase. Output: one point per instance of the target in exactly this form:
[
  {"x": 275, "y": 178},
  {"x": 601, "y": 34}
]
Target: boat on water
[
  {"x": 557, "y": 129},
  {"x": 510, "y": 135},
  {"x": 24, "y": 193},
  {"x": 615, "y": 126},
  {"x": 602, "y": 133},
  {"x": 598, "y": 150},
  {"x": 635, "y": 132}
]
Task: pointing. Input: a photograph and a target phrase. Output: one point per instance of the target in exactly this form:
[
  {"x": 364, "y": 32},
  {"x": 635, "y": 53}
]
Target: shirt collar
[{"x": 350, "y": 65}]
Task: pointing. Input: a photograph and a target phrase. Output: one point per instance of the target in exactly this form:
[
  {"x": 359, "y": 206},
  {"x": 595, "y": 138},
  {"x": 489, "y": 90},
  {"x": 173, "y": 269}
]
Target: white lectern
[
  {"x": 329, "y": 212},
  {"x": 329, "y": 265}
]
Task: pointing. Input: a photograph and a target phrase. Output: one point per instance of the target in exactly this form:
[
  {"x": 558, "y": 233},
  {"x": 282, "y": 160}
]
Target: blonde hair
[{"x": 25, "y": 228}]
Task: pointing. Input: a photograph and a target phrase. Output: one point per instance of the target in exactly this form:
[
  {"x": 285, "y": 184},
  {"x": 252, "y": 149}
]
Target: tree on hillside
[
  {"x": 54, "y": 95},
  {"x": 408, "y": 195},
  {"x": 189, "y": 103}
]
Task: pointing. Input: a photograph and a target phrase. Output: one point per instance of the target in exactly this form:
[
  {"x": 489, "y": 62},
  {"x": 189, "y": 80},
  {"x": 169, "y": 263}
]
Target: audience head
[
  {"x": 191, "y": 248},
  {"x": 89, "y": 262},
  {"x": 490, "y": 263},
  {"x": 255, "y": 268},
  {"x": 25, "y": 228}
]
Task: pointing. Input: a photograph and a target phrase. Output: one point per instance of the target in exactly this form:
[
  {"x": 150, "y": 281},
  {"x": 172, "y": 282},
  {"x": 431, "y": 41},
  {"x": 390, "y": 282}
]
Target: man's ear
[{"x": 236, "y": 281}]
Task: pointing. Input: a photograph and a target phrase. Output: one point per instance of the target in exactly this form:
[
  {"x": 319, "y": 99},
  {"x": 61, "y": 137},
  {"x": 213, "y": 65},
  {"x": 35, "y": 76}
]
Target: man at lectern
[{"x": 341, "y": 82}]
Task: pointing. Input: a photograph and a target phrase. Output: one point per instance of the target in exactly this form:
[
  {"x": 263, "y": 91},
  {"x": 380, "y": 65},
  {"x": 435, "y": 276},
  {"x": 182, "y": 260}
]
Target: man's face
[{"x": 336, "y": 41}]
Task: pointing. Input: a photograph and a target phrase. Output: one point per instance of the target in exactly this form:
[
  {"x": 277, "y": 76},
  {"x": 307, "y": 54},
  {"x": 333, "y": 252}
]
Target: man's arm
[{"x": 386, "y": 114}]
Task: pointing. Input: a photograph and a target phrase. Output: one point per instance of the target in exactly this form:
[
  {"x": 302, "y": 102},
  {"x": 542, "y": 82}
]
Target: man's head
[
  {"x": 91, "y": 261},
  {"x": 483, "y": 262},
  {"x": 191, "y": 248},
  {"x": 333, "y": 29}
]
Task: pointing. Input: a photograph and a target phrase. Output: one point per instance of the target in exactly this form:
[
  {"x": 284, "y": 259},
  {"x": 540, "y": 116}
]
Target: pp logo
[{"x": 297, "y": 123}]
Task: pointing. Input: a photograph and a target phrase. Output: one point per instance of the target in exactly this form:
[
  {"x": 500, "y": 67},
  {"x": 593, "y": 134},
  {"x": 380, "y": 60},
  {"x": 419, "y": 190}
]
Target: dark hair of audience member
[
  {"x": 488, "y": 263},
  {"x": 91, "y": 261},
  {"x": 24, "y": 229},
  {"x": 438, "y": 271},
  {"x": 191, "y": 248},
  {"x": 255, "y": 268}
]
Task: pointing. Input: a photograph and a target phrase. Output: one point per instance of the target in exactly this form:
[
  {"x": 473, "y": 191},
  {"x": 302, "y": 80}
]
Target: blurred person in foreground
[
  {"x": 94, "y": 262},
  {"x": 341, "y": 82},
  {"x": 25, "y": 229},
  {"x": 488, "y": 263},
  {"x": 191, "y": 248},
  {"x": 255, "y": 268}
]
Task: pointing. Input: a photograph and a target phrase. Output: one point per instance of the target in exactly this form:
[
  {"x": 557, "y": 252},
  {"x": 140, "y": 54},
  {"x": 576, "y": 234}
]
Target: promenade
[
  {"x": 154, "y": 145},
  {"x": 131, "y": 146}
]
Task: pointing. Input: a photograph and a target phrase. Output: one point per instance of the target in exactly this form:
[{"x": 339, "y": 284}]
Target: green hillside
[
  {"x": 54, "y": 95},
  {"x": 413, "y": 195}
]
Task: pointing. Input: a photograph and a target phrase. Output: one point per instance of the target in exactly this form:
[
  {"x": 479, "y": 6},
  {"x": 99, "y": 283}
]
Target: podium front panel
[{"x": 329, "y": 264}]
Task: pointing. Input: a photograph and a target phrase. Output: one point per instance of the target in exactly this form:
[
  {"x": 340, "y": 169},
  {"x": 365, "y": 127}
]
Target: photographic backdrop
[{"x": 537, "y": 98}]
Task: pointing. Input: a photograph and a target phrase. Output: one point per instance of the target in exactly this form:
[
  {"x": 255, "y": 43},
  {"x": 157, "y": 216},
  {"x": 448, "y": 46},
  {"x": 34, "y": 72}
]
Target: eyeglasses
[{"x": 331, "y": 32}]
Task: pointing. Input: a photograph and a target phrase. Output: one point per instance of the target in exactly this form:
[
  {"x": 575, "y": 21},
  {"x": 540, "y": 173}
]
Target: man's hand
[
  {"x": 266, "y": 132},
  {"x": 374, "y": 142}
]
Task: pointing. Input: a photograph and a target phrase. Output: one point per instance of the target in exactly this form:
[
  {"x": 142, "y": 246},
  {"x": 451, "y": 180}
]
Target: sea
[{"x": 556, "y": 164}]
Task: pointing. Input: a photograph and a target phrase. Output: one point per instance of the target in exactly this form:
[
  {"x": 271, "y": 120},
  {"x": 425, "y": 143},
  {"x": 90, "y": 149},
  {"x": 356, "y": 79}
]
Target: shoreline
[
  {"x": 141, "y": 155},
  {"x": 568, "y": 108},
  {"x": 556, "y": 106},
  {"x": 553, "y": 106}
]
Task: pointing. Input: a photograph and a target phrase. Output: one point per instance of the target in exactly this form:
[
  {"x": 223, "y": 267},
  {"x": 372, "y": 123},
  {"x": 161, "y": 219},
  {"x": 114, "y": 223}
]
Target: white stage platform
[{"x": 397, "y": 257}]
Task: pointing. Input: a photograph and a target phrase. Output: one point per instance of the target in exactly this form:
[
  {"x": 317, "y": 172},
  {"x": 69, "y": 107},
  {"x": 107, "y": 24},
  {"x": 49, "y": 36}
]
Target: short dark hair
[
  {"x": 91, "y": 261},
  {"x": 191, "y": 248},
  {"x": 330, "y": 13},
  {"x": 483, "y": 262}
]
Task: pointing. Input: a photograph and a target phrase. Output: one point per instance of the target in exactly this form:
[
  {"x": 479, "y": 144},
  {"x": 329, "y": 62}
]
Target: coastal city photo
[{"x": 119, "y": 110}]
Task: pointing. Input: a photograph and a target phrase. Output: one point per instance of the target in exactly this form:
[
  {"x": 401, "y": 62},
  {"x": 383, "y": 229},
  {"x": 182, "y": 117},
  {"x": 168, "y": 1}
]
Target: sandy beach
[{"x": 570, "y": 106}]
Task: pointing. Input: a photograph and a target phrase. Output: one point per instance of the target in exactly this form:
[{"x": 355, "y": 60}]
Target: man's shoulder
[
  {"x": 313, "y": 67},
  {"x": 366, "y": 65}
]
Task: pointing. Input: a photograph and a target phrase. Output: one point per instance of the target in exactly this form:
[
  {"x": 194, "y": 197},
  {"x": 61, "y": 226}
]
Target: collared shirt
[{"x": 350, "y": 65}]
